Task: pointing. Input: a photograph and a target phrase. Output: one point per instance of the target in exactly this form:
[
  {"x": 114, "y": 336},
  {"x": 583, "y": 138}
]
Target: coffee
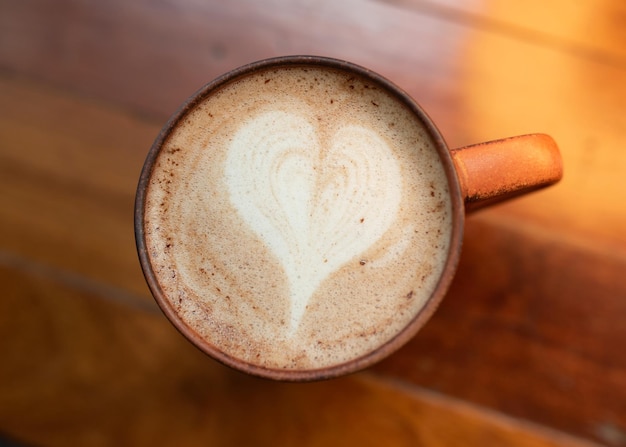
[{"x": 296, "y": 217}]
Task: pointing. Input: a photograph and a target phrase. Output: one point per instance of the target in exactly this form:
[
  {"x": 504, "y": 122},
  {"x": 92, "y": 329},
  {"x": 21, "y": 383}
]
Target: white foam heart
[{"x": 316, "y": 204}]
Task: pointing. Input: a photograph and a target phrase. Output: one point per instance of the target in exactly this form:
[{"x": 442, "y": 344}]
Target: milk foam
[
  {"x": 316, "y": 204},
  {"x": 298, "y": 218}
]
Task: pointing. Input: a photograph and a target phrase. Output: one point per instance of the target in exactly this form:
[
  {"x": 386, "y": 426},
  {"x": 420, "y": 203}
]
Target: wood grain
[
  {"x": 532, "y": 334},
  {"x": 530, "y": 331},
  {"x": 587, "y": 29},
  {"x": 68, "y": 173},
  {"x": 155, "y": 55},
  {"x": 99, "y": 373}
]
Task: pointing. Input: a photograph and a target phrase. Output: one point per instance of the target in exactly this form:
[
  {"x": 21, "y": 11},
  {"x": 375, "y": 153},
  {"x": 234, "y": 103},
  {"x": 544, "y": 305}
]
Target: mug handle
[{"x": 491, "y": 172}]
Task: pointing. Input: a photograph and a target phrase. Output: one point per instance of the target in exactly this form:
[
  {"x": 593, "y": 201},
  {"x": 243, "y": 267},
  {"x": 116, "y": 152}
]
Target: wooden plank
[
  {"x": 155, "y": 55},
  {"x": 588, "y": 28},
  {"x": 99, "y": 373},
  {"x": 531, "y": 327},
  {"x": 68, "y": 173}
]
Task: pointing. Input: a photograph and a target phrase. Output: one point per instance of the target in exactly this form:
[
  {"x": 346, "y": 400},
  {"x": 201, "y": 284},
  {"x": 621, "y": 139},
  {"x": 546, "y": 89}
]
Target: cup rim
[{"x": 399, "y": 339}]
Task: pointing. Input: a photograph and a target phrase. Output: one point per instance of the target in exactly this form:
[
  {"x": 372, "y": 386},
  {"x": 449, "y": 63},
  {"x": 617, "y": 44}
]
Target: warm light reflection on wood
[{"x": 513, "y": 86}]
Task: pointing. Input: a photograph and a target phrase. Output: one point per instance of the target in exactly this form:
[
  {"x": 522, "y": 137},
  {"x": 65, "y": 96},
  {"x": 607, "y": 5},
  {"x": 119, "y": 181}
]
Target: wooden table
[{"x": 528, "y": 348}]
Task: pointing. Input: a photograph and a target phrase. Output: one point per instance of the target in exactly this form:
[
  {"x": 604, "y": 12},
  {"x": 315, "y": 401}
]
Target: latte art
[
  {"x": 316, "y": 204},
  {"x": 296, "y": 218}
]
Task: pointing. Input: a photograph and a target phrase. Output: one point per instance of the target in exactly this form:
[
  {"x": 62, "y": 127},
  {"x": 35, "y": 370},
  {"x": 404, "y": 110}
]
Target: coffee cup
[{"x": 300, "y": 218}]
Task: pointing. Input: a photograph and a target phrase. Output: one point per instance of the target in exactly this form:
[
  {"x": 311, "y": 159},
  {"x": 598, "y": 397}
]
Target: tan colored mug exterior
[
  {"x": 498, "y": 170},
  {"x": 478, "y": 175}
]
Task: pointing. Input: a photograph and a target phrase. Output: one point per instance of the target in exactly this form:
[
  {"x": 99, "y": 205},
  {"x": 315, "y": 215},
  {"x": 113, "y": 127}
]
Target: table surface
[{"x": 526, "y": 349}]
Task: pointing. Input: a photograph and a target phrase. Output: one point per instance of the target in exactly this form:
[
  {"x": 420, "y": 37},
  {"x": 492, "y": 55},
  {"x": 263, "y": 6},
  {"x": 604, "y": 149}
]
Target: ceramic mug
[{"x": 301, "y": 218}]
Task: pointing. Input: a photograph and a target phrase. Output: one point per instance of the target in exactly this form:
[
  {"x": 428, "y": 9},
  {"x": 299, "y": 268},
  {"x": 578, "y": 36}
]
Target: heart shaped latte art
[{"x": 317, "y": 204}]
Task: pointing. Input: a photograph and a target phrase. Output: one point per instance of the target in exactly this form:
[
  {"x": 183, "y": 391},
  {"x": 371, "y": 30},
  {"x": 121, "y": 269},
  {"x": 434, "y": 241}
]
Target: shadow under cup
[{"x": 243, "y": 231}]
